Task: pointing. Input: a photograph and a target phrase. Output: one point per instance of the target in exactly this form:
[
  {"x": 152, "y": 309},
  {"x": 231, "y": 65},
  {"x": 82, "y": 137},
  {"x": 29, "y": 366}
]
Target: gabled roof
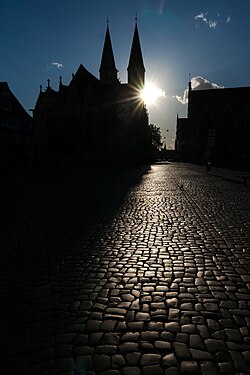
[
  {"x": 82, "y": 74},
  {"x": 17, "y": 107},
  {"x": 5, "y": 87},
  {"x": 84, "y": 79},
  {"x": 88, "y": 86},
  {"x": 3, "y": 84}
]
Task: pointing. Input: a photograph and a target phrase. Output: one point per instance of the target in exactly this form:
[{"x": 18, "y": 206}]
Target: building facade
[
  {"x": 217, "y": 128},
  {"x": 16, "y": 127},
  {"x": 95, "y": 119}
]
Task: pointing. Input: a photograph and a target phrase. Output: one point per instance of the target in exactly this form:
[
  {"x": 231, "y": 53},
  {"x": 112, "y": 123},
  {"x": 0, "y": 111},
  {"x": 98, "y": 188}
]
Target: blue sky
[{"x": 206, "y": 38}]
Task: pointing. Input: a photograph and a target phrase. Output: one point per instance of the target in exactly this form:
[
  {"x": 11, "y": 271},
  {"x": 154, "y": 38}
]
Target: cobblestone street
[{"x": 141, "y": 275}]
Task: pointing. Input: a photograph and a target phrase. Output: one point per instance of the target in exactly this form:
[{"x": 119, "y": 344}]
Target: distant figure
[{"x": 208, "y": 167}]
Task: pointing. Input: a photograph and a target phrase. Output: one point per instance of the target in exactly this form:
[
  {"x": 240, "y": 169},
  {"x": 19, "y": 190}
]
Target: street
[{"x": 137, "y": 273}]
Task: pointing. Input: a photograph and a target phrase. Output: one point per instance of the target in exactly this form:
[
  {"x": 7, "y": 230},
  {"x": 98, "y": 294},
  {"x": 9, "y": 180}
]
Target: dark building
[
  {"x": 217, "y": 128},
  {"x": 15, "y": 130},
  {"x": 95, "y": 119},
  {"x": 181, "y": 141}
]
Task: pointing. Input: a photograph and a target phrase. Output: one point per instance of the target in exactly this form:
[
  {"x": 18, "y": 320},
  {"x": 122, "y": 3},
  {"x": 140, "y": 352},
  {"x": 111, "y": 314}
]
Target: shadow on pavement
[
  {"x": 48, "y": 222},
  {"x": 44, "y": 194}
]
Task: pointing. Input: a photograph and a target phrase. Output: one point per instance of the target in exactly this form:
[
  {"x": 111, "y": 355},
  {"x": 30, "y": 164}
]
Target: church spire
[
  {"x": 136, "y": 69},
  {"x": 108, "y": 71}
]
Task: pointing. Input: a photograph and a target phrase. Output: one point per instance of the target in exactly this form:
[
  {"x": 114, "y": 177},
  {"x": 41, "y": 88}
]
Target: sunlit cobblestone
[{"x": 157, "y": 283}]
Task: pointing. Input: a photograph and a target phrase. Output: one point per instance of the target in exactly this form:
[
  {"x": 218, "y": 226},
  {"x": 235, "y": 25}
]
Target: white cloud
[
  {"x": 203, "y": 17},
  {"x": 58, "y": 65},
  {"x": 212, "y": 24},
  {"x": 184, "y": 98},
  {"x": 200, "y": 83},
  {"x": 197, "y": 83}
]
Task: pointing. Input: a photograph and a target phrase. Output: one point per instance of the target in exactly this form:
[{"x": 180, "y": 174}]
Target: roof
[
  {"x": 222, "y": 91},
  {"x": 17, "y": 106},
  {"x": 108, "y": 60},
  {"x": 84, "y": 81},
  {"x": 236, "y": 96},
  {"x": 136, "y": 58}
]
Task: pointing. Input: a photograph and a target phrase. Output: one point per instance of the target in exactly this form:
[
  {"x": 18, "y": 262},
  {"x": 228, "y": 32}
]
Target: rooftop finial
[
  {"x": 60, "y": 82},
  {"x": 107, "y": 20},
  {"x": 41, "y": 88},
  {"x": 136, "y": 18},
  {"x": 48, "y": 83},
  {"x": 189, "y": 83}
]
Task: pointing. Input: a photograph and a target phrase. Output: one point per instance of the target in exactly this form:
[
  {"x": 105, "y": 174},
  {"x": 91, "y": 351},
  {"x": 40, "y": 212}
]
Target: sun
[{"x": 151, "y": 93}]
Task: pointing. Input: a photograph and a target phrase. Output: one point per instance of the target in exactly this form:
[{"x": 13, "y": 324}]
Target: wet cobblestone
[{"x": 157, "y": 283}]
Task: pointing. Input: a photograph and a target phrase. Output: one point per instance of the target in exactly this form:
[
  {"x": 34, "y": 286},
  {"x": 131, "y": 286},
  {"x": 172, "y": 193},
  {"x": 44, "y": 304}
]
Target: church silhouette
[{"x": 95, "y": 119}]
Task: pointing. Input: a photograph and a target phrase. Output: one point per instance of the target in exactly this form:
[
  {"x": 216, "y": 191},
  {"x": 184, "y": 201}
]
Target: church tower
[
  {"x": 108, "y": 71},
  {"x": 136, "y": 69}
]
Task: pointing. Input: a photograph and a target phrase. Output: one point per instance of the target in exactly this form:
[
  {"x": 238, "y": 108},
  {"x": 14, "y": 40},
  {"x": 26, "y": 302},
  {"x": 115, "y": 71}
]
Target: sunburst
[{"x": 150, "y": 93}]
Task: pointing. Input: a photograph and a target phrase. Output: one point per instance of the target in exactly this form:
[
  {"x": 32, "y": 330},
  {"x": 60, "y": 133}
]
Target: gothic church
[{"x": 95, "y": 119}]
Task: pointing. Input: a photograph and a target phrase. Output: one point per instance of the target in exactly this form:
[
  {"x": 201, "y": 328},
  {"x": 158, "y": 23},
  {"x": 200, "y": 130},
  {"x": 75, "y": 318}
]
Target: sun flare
[{"x": 151, "y": 93}]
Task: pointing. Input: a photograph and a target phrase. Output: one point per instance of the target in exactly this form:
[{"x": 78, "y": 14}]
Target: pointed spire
[
  {"x": 108, "y": 71},
  {"x": 136, "y": 69}
]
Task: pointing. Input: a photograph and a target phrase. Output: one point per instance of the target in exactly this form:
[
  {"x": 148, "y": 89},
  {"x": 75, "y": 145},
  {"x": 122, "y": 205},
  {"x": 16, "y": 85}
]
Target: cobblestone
[{"x": 134, "y": 272}]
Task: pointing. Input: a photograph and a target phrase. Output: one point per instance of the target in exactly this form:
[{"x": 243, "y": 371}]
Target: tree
[
  {"x": 156, "y": 142},
  {"x": 156, "y": 136}
]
